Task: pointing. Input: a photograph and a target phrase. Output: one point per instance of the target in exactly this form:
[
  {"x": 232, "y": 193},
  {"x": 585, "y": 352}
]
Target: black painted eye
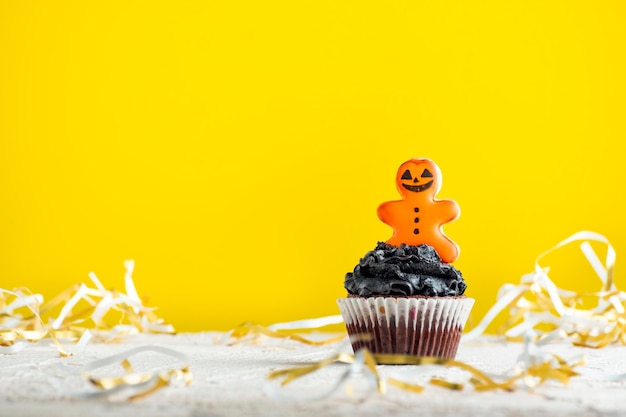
[
  {"x": 407, "y": 175},
  {"x": 427, "y": 174}
]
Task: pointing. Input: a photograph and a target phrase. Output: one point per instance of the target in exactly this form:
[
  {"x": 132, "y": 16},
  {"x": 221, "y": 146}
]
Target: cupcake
[{"x": 404, "y": 296}]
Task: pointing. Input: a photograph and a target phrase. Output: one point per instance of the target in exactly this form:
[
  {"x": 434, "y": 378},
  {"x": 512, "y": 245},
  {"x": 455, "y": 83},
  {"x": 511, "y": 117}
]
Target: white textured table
[{"x": 231, "y": 381}]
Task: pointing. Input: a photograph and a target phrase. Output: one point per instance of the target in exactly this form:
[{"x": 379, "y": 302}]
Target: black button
[
  {"x": 416, "y": 220},
  {"x": 416, "y": 231},
  {"x": 416, "y": 209}
]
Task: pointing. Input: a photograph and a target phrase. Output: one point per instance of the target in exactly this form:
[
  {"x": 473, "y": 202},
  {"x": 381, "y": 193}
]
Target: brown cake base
[
  {"x": 405, "y": 340},
  {"x": 418, "y": 326}
]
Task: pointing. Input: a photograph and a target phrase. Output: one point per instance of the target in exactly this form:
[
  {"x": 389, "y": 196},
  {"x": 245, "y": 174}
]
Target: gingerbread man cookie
[{"x": 418, "y": 218}]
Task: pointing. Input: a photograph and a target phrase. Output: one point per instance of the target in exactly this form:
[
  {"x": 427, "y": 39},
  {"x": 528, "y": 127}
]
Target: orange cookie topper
[{"x": 418, "y": 218}]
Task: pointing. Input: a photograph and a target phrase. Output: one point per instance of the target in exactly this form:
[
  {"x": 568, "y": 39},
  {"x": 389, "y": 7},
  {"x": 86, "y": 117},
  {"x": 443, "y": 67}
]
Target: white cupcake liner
[{"x": 428, "y": 326}]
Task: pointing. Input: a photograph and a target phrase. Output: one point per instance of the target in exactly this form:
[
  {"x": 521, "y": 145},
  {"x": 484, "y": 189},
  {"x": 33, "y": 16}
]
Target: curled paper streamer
[
  {"x": 534, "y": 368},
  {"x": 360, "y": 363},
  {"x": 25, "y": 318},
  {"x": 21, "y": 325},
  {"x": 133, "y": 385},
  {"x": 537, "y": 304},
  {"x": 255, "y": 331}
]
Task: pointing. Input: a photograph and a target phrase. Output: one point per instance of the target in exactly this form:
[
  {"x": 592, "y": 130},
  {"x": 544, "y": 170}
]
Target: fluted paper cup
[{"x": 417, "y": 326}]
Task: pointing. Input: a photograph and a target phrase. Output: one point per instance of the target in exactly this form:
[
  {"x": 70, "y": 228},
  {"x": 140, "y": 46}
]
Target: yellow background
[{"x": 237, "y": 150}]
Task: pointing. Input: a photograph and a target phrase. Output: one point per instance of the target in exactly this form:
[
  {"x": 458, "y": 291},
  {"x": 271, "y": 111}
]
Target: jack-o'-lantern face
[{"x": 417, "y": 176}]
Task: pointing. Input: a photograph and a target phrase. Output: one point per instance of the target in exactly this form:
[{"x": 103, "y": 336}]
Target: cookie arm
[
  {"x": 448, "y": 210},
  {"x": 384, "y": 212}
]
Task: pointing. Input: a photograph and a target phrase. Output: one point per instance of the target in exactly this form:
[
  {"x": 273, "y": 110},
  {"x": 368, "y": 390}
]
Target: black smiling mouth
[{"x": 418, "y": 188}]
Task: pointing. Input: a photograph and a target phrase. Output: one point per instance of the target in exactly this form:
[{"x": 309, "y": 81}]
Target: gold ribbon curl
[
  {"x": 529, "y": 376},
  {"x": 538, "y": 307},
  {"x": 287, "y": 331},
  {"x": 134, "y": 385},
  {"x": 25, "y": 318}
]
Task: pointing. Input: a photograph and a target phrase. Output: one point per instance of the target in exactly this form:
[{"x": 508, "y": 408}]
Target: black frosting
[{"x": 404, "y": 271}]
